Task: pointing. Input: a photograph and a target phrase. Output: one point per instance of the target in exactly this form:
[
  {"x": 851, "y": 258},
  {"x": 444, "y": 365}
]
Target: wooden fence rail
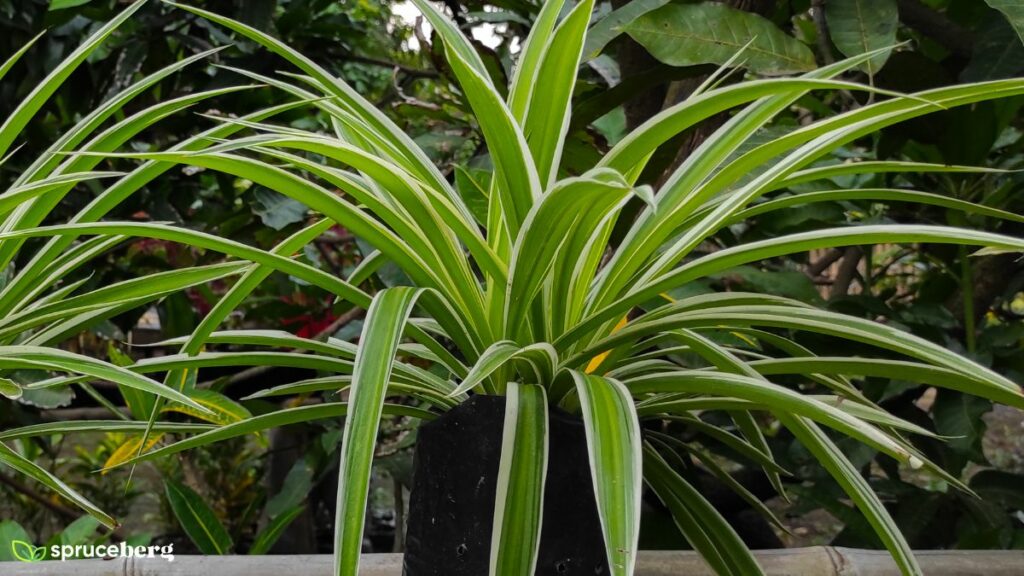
[{"x": 815, "y": 561}]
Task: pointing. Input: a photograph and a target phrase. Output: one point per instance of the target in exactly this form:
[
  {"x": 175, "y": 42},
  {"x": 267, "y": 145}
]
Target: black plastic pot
[{"x": 451, "y": 507}]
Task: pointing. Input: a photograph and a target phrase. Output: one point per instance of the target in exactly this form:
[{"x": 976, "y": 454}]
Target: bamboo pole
[{"x": 814, "y": 561}]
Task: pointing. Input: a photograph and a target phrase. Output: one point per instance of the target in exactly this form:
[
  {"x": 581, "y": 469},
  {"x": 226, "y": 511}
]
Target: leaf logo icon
[{"x": 26, "y": 552}]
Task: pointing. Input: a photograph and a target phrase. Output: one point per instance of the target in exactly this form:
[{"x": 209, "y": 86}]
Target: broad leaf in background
[
  {"x": 296, "y": 487},
  {"x": 197, "y": 519},
  {"x": 9, "y": 532},
  {"x": 860, "y": 26},
  {"x": 612, "y": 24},
  {"x": 47, "y": 398},
  {"x": 79, "y": 531},
  {"x": 1014, "y": 12},
  {"x": 998, "y": 52},
  {"x": 711, "y": 33},
  {"x": 277, "y": 210},
  {"x": 62, "y": 4},
  {"x": 267, "y": 537},
  {"x": 959, "y": 418},
  {"x": 10, "y": 389}
]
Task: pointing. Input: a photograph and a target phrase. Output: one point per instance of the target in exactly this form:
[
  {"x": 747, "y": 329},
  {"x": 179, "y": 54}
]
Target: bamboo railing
[{"x": 814, "y": 561}]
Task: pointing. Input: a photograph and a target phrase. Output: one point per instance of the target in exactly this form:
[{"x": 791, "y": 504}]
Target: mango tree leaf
[
  {"x": 197, "y": 519},
  {"x": 1014, "y": 12},
  {"x": 611, "y": 25},
  {"x": 859, "y": 26},
  {"x": 177, "y": 316},
  {"x": 688, "y": 34},
  {"x": 997, "y": 52},
  {"x": 257, "y": 13},
  {"x": 781, "y": 282}
]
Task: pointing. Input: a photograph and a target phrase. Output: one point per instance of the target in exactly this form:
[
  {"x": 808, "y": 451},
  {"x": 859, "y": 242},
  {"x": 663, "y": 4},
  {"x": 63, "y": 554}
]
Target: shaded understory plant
[{"x": 529, "y": 298}]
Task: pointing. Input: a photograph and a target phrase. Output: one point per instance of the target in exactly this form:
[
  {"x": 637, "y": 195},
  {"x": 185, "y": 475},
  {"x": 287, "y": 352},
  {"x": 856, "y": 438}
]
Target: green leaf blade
[
  {"x": 689, "y": 34},
  {"x": 859, "y": 26},
  {"x": 522, "y": 471},
  {"x": 613, "y": 443},
  {"x": 269, "y": 536},
  {"x": 30, "y": 469},
  {"x": 382, "y": 332},
  {"x": 197, "y": 519},
  {"x": 1014, "y": 12}
]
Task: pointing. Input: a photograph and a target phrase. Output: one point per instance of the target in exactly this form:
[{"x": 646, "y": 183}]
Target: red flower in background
[
  {"x": 312, "y": 324},
  {"x": 308, "y": 324}
]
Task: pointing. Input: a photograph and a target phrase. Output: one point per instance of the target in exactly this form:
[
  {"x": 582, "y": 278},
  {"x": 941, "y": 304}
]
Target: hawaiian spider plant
[{"x": 534, "y": 301}]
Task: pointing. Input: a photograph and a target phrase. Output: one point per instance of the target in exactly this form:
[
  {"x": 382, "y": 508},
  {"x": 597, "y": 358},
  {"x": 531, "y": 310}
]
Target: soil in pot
[{"x": 451, "y": 508}]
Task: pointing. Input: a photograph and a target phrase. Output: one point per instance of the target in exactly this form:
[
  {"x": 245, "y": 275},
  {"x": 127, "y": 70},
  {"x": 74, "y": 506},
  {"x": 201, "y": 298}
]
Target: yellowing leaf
[
  {"x": 10, "y": 389},
  {"x": 595, "y": 362},
  {"x": 128, "y": 450},
  {"x": 1017, "y": 305},
  {"x": 224, "y": 410}
]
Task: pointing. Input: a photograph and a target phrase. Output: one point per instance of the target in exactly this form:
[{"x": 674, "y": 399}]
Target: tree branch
[
  {"x": 393, "y": 65},
  {"x": 937, "y": 27},
  {"x": 847, "y": 271},
  {"x": 55, "y": 507},
  {"x": 814, "y": 269},
  {"x": 824, "y": 40}
]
